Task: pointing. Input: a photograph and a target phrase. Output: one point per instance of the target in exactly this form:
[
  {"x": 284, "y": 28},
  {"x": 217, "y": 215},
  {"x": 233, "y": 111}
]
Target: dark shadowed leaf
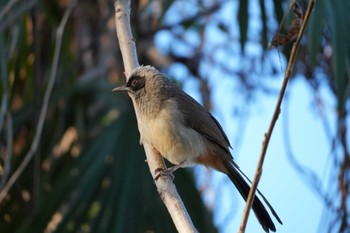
[
  {"x": 341, "y": 49},
  {"x": 264, "y": 38},
  {"x": 243, "y": 21},
  {"x": 315, "y": 27}
]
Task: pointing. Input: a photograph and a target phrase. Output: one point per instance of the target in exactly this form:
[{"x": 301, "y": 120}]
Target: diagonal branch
[
  {"x": 6, "y": 22},
  {"x": 186, "y": 21},
  {"x": 43, "y": 111},
  {"x": 274, "y": 118},
  {"x": 7, "y": 8},
  {"x": 165, "y": 186}
]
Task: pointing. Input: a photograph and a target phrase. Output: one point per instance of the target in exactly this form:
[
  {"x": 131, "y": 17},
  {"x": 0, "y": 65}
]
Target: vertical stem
[
  {"x": 125, "y": 38},
  {"x": 274, "y": 119}
]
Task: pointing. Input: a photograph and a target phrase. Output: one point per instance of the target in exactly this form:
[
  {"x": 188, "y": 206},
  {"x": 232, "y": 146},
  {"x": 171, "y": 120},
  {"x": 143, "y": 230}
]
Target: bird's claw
[{"x": 164, "y": 172}]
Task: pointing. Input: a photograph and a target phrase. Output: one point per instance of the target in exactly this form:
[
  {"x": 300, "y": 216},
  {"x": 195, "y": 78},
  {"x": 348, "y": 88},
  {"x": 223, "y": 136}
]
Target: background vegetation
[{"x": 88, "y": 173}]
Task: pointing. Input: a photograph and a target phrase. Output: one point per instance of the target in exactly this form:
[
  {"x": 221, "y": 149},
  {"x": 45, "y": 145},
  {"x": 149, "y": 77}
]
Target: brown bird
[{"x": 185, "y": 133}]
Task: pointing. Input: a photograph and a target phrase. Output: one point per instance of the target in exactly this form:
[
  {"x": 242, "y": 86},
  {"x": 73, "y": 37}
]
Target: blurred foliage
[{"x": 88, "y": 174}]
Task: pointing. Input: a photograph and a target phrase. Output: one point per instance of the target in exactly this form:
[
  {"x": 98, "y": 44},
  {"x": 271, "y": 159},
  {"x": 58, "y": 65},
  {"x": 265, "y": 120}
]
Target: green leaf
[
  {"x": 264, "y": 40},
  {"x": 243, "y": 21},
  {"x": 341, "y": 49},
  {"x": 314, "y": 32},
  {"x": 278, "y": 9},
  {"x": 222, "y": 27},
  {"x": 165, "y": 7}
]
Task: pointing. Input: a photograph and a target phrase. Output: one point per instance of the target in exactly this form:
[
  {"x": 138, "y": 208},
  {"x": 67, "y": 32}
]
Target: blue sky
[{"x": 297, "y": 204}]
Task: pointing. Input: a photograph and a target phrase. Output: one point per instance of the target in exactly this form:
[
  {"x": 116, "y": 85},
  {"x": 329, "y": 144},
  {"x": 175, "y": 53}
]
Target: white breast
[{"x": 168, "y": 135}]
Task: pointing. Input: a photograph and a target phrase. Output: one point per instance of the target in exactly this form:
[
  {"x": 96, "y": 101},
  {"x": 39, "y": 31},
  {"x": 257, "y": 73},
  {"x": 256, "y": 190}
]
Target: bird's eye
[{"x": 136, "y": 83}]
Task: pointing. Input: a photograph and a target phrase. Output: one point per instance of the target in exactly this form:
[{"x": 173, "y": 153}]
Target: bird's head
[{"x": 140, "y": 80}]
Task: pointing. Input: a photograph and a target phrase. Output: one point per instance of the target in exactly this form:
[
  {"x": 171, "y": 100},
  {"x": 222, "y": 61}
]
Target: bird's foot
[{"x": 165, "y": 172}]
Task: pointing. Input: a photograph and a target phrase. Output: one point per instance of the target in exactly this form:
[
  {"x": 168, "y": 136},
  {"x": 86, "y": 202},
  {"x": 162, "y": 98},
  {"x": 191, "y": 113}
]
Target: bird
[{"x": 185, "y": 133}]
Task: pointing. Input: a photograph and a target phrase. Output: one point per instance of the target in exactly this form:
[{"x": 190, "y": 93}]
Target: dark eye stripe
[{"x": 136, "y": 83}]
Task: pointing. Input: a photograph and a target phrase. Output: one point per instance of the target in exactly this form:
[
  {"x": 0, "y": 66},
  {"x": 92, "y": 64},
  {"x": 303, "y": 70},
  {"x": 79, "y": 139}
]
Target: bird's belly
[{"x": 176, "y": 142}]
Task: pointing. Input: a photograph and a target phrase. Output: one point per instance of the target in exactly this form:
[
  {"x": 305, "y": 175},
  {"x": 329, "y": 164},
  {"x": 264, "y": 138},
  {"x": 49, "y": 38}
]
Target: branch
[
  {"x": 186, "y": 21},
  {"x": 125, "y": 38},
  {"x": 43, "y": 111},
  {"x": 7, "y": 8},
  {"x": 14, "y": 15},
  {"x": 165, "y": 186},
  {"x": 8, "y": 157},
  {"x": 274, "y": 119}
]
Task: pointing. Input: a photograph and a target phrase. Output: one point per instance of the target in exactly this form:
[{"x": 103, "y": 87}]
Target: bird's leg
[{"x": 166, "y": 171}]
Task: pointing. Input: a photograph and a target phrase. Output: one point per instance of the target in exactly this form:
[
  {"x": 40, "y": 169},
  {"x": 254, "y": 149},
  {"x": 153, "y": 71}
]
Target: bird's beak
[{"x": 121, "y": 88}]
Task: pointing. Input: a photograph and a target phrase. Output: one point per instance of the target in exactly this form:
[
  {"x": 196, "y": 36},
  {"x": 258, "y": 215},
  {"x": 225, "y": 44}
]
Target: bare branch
[
  {"x": 165, "y": 186},
  {"x": 274, "y": 119},
  {"x": 12, "y": 17},
  {"x": 168, "y": 193},
  {"x": 200, "y": 14},
  {"x": 125, "y": 38},
  {"x": 7, "y": 8},
  {"x": 8, "y": 157},
  {"x": 43, "y": 111}
]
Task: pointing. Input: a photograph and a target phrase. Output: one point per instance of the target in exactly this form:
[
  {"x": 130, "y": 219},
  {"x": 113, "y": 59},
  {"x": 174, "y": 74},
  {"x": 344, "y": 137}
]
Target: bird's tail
[{"x": 236, "y": 176}]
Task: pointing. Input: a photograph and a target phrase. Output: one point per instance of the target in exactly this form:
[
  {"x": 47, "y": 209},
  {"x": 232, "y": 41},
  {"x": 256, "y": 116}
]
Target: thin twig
[
  {"x": 19, "y": 11},
  {"x": 3, "y": 107},
  {"x": 274, "y": 118},
  {"x": 43, "y": 111},
  {"x": 9, "y": 142},
  {"x": 7, "y": 8},
  {"x": 165, "y": 186},
  {"x": 186, "y": 21}
]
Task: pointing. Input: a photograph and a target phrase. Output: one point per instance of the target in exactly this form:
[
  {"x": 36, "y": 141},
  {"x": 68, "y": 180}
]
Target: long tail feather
[{"x": 243, "y": 188}]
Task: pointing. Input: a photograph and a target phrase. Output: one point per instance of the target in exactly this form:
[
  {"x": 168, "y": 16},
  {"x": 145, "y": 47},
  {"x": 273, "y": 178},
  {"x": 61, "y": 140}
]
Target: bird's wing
[{"x": 199, "y": 119}]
